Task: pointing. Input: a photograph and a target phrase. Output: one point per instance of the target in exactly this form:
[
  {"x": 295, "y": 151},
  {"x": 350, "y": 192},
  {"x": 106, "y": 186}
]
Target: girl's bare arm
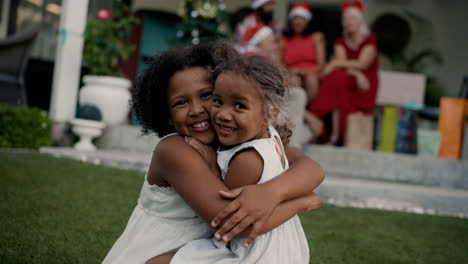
[{"x": 186, "y": 171}]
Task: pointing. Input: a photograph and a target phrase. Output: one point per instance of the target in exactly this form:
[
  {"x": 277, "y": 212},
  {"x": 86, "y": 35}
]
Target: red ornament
[{"x": 103, "y": 14}]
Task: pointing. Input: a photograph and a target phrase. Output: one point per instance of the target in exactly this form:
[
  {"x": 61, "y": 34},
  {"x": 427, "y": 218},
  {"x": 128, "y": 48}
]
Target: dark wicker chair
[{"x": 14, "y": 54}]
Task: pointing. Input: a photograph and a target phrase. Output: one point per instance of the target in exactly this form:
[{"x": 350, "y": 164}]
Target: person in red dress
[
  {"x": 303, "y": 52},
  {"x": 350, "y": 80}
]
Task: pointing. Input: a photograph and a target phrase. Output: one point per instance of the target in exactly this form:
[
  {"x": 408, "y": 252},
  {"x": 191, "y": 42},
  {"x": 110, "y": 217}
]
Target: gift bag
[
  {"x": 359, "y": 131},
  {"x": 406, "y": 131},
  {"x": 378, "y": 115},
  {"x": 451, "y": 127},
  {"x": 428, "y": 141},
  {"x": 388, "y": 129}
]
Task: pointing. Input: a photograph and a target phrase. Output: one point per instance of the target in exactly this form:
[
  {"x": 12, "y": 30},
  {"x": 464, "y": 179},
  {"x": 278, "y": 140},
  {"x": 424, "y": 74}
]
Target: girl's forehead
[{"x": 190, "y": 79}]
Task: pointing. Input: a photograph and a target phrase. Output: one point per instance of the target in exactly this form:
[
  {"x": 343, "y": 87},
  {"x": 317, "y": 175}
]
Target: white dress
[
  {"x": 285, "y": 244},
  {"x": 162, "y": 221}
]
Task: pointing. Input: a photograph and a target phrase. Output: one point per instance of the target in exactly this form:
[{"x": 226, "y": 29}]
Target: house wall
[{"x": 450, "y": 36}]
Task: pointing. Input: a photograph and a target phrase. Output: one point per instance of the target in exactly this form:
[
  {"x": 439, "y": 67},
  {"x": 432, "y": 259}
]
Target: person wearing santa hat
[
  {"x": 258, "y": 32},
  {"x": 351, "y": 80},
  {"x": 302, "y": 51}
]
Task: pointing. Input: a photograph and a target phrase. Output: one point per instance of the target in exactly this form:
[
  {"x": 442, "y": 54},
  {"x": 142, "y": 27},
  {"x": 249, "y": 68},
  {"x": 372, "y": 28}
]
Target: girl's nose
[
  {"x": 224, "y": 115},
  {"x": 196, "y": 109}
]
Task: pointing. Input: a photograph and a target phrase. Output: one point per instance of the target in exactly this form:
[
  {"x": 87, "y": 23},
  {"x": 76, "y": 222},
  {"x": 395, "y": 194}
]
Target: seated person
[
  {"x": 350, "y": 80},
  {"x": 303, "y": 52}
]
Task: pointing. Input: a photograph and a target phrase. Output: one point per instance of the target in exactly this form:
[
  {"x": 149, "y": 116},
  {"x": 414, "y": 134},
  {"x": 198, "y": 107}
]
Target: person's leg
[
  {"x": 295, "y": 80},
  {"x": 315, "y": 123},
  {"x": 311, "y": 84},
  {"x": 335, "y": 129},
  {"x": 295, "y": 105}
]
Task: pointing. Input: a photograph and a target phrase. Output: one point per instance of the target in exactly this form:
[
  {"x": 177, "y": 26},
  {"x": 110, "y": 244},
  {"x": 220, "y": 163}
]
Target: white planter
[
  {"x": 86, "y": 130},
  {"x": 110, "y": 94}
]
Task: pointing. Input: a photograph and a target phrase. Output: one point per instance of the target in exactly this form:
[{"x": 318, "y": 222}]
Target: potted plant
[
  {"x": 87, "y": 125},
  {"x": 106, "y": 46}
]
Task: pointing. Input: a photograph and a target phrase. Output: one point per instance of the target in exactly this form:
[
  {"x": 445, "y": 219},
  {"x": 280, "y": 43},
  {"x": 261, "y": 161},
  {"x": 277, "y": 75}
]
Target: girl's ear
[{"x": 169, "y": 120}]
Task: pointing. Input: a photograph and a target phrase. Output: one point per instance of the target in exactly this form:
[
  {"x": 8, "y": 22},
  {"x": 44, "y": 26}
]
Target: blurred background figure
[
  {"x": 303, "y": 51},
  {"x": 351, "y": 78}
]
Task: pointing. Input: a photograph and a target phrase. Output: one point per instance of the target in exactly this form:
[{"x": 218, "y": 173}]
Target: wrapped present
[
  {"x": 388, "y": 129},
  {"x": 406, "y": 131},
  {"x": 428, "y": 142},
  {"x": 359, "y": 131}
]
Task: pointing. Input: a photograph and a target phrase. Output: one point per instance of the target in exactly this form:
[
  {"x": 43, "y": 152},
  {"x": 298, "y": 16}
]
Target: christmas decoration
[{"x": 202, "y": 20}]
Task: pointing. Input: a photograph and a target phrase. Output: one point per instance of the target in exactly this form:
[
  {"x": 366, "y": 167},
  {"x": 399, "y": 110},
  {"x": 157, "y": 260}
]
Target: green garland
[{"x": 202, "y": 20}]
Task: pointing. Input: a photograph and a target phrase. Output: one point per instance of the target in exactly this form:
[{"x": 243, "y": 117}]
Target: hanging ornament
[
  {"x": 195, "y": 33},
  {"x": 103, "y": 14},
  {"x": 206, "y": 8},
  {"x": 180, "y": 33},
  {"x": 222, "y": 6},
  {"x": 195, "y": 41},
  {"x": 194, "y": 14}
]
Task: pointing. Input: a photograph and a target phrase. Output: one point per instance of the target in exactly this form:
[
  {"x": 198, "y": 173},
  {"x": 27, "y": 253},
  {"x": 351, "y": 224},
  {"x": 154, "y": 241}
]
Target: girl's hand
[
  {"x": 252, "y": 207},
  {"x": 311, "y": 202},
  {"x": 208, "y": 153}
]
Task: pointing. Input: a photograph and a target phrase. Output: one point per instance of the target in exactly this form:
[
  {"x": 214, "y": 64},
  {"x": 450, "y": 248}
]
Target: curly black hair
[{"x": 149, "y": 98}]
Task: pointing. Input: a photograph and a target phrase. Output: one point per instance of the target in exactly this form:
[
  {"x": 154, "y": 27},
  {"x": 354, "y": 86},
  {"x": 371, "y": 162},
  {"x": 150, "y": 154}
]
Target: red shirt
[{"x": 299, "y": 53}]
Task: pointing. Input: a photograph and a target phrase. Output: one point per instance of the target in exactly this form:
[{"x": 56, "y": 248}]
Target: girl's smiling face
[
  {"x": 189, "y": 99},
  {"x": 237, "y": 111}
]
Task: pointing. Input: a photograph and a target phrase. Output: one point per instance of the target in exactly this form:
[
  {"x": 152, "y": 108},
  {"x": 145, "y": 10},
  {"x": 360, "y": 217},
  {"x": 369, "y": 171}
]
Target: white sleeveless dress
[
  {"x": 285, "y": 244},
  {"x": 162, "y": 221}
]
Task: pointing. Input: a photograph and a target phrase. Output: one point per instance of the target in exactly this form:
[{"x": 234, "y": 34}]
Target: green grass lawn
[{"x": 63, "y": 211}]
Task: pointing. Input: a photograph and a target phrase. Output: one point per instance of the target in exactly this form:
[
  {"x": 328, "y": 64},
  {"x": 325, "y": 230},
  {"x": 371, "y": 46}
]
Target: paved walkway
[{"x": 338, "y": 190}]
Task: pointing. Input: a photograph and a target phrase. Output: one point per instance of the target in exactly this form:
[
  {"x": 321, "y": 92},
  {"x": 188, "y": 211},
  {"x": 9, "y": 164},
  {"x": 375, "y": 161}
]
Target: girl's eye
[
  {"x": 206, "y": 95},
  {"x": 180, "y": 102},
  {"x": 217, "y": 102},
  {"x": 240, "y": 106}
]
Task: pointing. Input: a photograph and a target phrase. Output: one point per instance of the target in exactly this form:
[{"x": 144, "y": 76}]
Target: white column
[
  {"x": 5, "y": 14},
  {"x": 68, "y": 60}
]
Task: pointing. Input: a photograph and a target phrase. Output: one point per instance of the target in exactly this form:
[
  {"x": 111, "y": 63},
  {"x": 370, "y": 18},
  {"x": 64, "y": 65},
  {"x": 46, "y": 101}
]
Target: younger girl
[{"x": 248, "y": 118}]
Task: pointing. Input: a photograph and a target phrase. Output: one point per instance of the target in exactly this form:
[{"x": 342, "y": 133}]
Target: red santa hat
[
  {"x": 255, "y": 35},
  {"x": 356, "y": 4},
  {"x": 301, "y": 9},
  {"x": 258, "y": 3}
]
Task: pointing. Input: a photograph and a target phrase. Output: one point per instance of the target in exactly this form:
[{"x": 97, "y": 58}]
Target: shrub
[
  {"x": 22, "y": 127},
  {"x": 106, "y": 39}
]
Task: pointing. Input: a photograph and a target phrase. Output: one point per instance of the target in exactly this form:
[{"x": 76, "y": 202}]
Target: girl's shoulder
[
  {"x": 263, "y": 146},
  {"x": 169, "y": 146}
]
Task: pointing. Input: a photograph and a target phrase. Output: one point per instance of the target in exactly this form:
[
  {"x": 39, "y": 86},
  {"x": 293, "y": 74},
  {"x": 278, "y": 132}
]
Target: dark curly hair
[
  {"x": 271, "y": 82},
  {"x": 149, "y": 98}
]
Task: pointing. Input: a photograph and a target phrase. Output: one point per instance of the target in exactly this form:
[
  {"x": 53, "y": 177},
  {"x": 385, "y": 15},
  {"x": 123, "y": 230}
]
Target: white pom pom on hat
[
  {"x": 301, "y": 9},
  {"x": 258, "y": 3}
]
